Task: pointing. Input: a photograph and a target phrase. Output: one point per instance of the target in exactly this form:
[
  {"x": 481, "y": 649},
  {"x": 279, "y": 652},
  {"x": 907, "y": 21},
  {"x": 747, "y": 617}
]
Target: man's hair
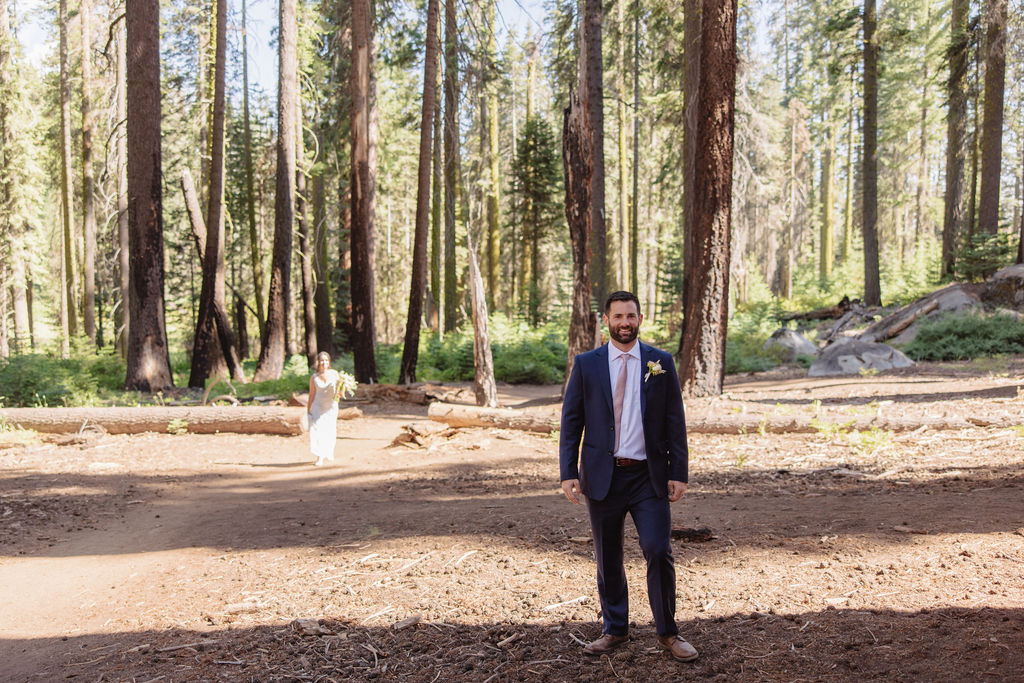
[{"x": 621, "y": 296}]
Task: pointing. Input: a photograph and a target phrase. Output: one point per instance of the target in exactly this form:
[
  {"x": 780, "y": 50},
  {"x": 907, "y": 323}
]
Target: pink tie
[{"x": 617, "y": 399}]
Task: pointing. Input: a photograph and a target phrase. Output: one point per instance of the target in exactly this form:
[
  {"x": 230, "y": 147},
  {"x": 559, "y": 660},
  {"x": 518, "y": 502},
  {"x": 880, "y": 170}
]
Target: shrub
[
  {"x": 965, "y": 336},
  {"x": 39, "y": 380}
]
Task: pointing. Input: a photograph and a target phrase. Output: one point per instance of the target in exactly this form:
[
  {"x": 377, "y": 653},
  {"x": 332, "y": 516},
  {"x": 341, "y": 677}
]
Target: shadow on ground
[{"x": 930, "y": 645}]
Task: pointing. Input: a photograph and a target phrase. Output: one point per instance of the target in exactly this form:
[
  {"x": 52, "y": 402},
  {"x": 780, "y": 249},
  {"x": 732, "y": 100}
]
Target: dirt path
[{"x": 837, "y": 556}]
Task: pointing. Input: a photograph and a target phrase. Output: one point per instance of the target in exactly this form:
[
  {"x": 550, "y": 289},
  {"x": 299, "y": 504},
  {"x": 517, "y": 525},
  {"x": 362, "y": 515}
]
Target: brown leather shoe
[
  {"x": 605, "y": 644},
  {"x": 680, "y": 650}
]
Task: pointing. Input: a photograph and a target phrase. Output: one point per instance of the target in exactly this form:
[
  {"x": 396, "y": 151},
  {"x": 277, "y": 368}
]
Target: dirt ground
[{"x": 837, "y": 555}]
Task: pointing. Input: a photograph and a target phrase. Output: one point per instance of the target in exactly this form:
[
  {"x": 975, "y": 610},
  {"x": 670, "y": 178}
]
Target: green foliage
[
  {"x": 177, "y": 427},
  {"x": 965, "y": 336},
  {"x": 983, "y": 255},
  {"x": 749, "y": 329},
  {"x": 37, "y": 380}
]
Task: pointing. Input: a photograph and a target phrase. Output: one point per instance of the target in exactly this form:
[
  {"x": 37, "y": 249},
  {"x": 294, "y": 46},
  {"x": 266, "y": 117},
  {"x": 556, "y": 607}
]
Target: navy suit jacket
[{"x": 587, "y": 415}]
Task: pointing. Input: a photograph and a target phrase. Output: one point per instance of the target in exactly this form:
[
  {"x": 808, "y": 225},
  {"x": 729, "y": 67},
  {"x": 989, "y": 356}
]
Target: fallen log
[
  {"x": 827, "y": 313},
  {"x": 135, "y": 420},
  {"x": 547, "y": 420}
]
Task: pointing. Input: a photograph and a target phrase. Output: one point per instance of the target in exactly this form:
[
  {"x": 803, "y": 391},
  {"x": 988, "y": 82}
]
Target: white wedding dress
[{"x": 323, "y": 417}]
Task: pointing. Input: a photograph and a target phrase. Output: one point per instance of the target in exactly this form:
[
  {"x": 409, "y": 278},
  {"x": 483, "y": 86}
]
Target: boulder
[
  {"x": 855, "y": 357},
  {"x": 1006, "y": 287},
  {"x": 792, "y": 343}
]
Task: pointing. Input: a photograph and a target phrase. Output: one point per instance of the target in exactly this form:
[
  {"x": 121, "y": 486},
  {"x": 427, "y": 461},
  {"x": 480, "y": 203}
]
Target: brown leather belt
[{"x": 627, "y": 462}]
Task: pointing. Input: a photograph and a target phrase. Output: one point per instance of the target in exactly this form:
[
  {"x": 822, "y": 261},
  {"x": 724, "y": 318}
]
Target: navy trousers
[{"x": 631, "y": 492}]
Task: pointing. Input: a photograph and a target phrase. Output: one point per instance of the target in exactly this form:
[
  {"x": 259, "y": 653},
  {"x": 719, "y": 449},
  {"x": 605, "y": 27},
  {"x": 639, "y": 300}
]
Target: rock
[
  {"x": 856, "y": 356},
  {"x": 1006, "y": 287},
  {"x": 792, "y": 343}
]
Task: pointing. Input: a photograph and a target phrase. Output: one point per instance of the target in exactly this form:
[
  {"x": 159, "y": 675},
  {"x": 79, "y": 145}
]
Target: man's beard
[{"x": 624, "y": 334}]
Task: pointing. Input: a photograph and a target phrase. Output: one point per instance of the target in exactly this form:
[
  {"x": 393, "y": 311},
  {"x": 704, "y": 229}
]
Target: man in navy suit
[{"x": 623, "y": 401}]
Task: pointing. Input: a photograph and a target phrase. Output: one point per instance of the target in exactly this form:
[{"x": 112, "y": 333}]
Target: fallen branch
[{"x": 200, "y": 643}]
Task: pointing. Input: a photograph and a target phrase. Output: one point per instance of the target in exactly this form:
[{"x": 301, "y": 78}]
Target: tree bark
[
  {"x": 88, "y": 200},
  {"x": 956, "y": 134},
  {"x": 69, "y": 320},
  {"x": 213, "y": 326},
  {"x": 576, "y": 163},
  {"x": 223, "y": 358},
  {"x": 410, "y": 352},
  {"x": 869, "y": 176},
  {"x": 322, "y": 291},
  {"x": 255, "y": 248},
  {"x": 124, "y": 319},
  {"x": 436, "y": 207},
  {"x": 306, "y": 245},
  {"x": 992, "y": 124},
  {"x": 593, "y": 100},
  {"x": 148, "y": 364},
  {"x": 691, "y": 92},
  {"x": 364, "y": 171},
  {"x": 195, "y": 419},
  {"x": 827, "y": 238},
  {"x": 274, "y": 340},
  {"x": 702, "y": 364},
  {"x": 451, "y": 171},
  {"x": 492, "y": 255},
  {"x": 484, "y": 387}
]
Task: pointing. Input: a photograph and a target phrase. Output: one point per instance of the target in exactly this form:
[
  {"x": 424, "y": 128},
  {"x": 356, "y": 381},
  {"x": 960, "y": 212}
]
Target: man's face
[{"x": 623, "y": 321}]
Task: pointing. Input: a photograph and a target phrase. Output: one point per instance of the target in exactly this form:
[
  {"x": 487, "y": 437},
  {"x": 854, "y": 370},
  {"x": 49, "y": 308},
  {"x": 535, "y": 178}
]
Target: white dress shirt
[{"x": 631, "y": 438}]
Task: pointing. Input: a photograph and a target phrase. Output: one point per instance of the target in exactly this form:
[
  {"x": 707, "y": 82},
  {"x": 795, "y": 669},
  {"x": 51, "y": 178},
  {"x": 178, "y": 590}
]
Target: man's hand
[
  {"x": 571, "y": 489},
  {"x": 676, "y": 489}
]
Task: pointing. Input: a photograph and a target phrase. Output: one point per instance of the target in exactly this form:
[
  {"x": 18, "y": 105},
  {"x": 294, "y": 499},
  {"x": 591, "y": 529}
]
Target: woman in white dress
[{"x": 323, "y": 409}]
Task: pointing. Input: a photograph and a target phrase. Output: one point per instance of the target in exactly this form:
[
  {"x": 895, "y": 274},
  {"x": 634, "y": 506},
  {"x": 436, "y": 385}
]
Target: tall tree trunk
[
  {"x": 213, "y": 327},
  {"x": 88, "y": 202},
  {"x": 850, "y": 165},
  {"x": 576, "y": 152},
  {"x": 702, "y": 365},
  {"x": 255, "y": 248},
  {"x": 451, "y": 171},
  {"x": 124, "y": 319},
  {"x": 691, "y": 92},
  {"x": 992, "y": 125},
  {"x": 69, "y": 323},
  {"x": 410, "y": 352},
  {"x": 971, "y": 219},
  {"x": 322, "y": 293},
  {"x": 827, "y": 241},
  {"x": 436, "y": 208},
  {"x": 10, "y": 220},
  {"x": 922, "y": 162},
  {"x": 274, "y": 340},
  {"x": 634, "y": 226},
  {"x": 956, "y": 135},
  {"x": 306, "y": 245},
  {"x": 492, "y": 250},
  {"x": 869, "y": 176},
  {"x": 364, "y": 171},
  {"x": 622, "y": 236},
  {"x": 484, "y": 387},
  {"x": 593, "y": 99},
  {"x": 149, "y": 364}
]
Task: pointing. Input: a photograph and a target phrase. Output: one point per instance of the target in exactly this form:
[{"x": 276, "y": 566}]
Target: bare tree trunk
[
  {"x": 850, "y": 164},
  {"x": 124, "y": 320},
  {"x": 956, "y": 134},
  {"x": 255, "y": 249},
  {"x": 634, "y": 226},
  {"x": 576, "y": 162},
  {"x": 872, "y": 285},
  {"x": 992, "y": 125},
  {"x": 593, "y": 100},
  {"x": 435, "y": 218},
  {"x": 88, "y": 201},
  {"x": 484, "y": 387},
  {"x": 451, "y": 171},
  {"x": 492, "y": 251},
  {"x": 827, "y": 241},
  {"x": 148, "y": 365},
  {"x": 363, "y": 190},
  {"x": 322, "y": 293},
  {"x": 69, "y": 322},
  {"x": 305, "y": 244},
  {"x": 274, "y": 339},
  {"x": 410, "y": 352},
  {"x": 702, "y": 363},
  {"x": 691, "y": 92}
]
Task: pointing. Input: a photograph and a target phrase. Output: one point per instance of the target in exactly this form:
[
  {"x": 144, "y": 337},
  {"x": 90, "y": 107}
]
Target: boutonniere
[{"x": 653, "y": 368}]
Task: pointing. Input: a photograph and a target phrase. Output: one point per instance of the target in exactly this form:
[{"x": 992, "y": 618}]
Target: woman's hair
[{"x": 323, "y": 354}]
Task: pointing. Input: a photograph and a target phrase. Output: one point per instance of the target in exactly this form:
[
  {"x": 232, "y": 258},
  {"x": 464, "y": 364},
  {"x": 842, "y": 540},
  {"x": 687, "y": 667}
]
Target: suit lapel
[
  {"x": 601, "y": 359},
  {"x": 645, "y": 355}
]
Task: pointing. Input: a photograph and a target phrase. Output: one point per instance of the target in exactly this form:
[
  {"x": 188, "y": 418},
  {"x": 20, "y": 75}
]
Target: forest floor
[{"x": 837, "y": 555}]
